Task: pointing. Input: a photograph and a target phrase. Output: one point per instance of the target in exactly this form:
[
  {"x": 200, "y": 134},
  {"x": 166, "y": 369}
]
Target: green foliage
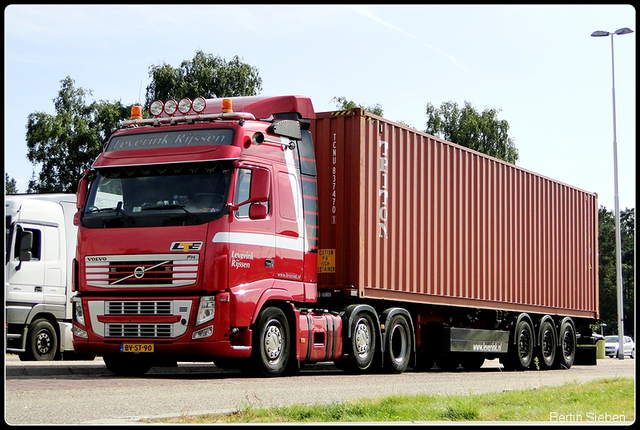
[
  {"x": 480, "y": 131},
  {"x": 65, "y": 144},
  {"x": 205, "y": 75},
  {"x": 343, "y": 104},
  {"x": 10, "y": 185},
  {"x": 607, "y": 268}
]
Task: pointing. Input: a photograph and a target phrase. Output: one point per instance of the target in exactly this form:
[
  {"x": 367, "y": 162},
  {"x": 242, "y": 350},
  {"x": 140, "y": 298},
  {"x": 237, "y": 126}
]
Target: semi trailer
[{"x": 258, "y": 234}]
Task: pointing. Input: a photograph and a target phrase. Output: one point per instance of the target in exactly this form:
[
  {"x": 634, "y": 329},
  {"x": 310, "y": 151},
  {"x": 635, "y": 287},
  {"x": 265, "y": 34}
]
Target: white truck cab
[{"x": 40, "y": 247}]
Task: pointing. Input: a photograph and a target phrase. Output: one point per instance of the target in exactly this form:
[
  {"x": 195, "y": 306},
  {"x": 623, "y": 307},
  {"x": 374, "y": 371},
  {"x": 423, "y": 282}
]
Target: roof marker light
[
  {"x": 156, "y": 108},
  {"x": 136, "y": 112},
  {"x": 199, "y": 104},
  {"x": 170, "y": 107},
  {"x": 184, "y": 105},
  {"x": 227, "y": 107}
]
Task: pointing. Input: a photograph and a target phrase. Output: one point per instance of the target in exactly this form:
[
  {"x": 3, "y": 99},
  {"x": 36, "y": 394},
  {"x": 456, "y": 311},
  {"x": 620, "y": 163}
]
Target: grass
[{"x": 603, "y": 400}]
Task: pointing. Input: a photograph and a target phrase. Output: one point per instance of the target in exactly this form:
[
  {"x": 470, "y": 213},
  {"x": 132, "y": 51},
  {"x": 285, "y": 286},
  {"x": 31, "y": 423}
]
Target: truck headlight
[
  {"x": 78, "y": 332},
  {"x": 78, "y": 312},
  {"x": 206, "y": 309}
]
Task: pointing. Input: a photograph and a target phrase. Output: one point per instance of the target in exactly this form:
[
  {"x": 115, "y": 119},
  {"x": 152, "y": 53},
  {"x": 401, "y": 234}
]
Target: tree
[
  {"x": 65, "y": 144},
  {"x": 10, "y": 185},
  {"x": 607, "y": 268},
  {"x": 205, "y": 75},
  {"x": 482, "y": 132},
  {"x": 343, "y": 104}
]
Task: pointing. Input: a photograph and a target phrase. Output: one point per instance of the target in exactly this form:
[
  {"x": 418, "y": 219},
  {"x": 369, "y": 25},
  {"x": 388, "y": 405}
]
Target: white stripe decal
[{"x": 259, "y": 239}]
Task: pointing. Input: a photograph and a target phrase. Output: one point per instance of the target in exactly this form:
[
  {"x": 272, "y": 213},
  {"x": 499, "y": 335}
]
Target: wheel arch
[
  {"x": 523, "y": 317},
  {"x": 565, "y": 320},
  {"x": 348, "y": 319},
  {"x": 386, "y": 317},
  {"x": 538, "y": 329}
]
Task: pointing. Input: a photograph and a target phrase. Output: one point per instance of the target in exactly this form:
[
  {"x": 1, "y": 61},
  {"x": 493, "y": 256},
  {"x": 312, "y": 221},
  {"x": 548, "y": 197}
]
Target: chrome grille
[
  {"x": 138, "y": 308},
  {"x": 150, "y": 319},
  {"x": 149, "y": 270},
  {"x": 138, "y": 330}
]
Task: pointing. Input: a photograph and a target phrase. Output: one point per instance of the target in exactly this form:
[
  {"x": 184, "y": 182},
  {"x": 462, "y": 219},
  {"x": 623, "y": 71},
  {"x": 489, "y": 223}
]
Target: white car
[{"x": 611, "y": 346}]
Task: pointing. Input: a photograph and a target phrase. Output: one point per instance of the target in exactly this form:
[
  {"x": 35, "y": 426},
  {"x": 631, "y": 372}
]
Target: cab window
[{"x": 242, "y": 194}]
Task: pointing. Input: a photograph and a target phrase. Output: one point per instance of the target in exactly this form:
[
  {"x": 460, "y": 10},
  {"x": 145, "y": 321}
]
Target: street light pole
[{"x": 619, "y": 32}]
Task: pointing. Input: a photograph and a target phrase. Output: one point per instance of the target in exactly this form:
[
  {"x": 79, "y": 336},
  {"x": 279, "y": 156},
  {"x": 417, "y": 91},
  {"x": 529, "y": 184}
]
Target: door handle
[{"x": 269, "y": 263}]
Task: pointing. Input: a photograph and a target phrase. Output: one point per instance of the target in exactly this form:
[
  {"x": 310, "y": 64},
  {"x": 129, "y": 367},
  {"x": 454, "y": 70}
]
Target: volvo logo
[{"x": 138, "y": 272}]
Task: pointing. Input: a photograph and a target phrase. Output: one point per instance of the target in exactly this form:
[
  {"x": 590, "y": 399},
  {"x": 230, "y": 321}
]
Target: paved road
[{"x": 85, "y": 392}]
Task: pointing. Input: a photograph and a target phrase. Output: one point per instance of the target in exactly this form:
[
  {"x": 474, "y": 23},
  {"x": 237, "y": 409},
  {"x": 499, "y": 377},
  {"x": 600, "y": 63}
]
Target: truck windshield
[{"x": 157, "y": 195}]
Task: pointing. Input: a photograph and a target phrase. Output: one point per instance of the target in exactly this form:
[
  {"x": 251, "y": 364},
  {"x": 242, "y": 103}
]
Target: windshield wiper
[
  {"x": 172, "y": 206},
  {"x": 118, "y": 210},
  {"x": 100, "y": 210}
]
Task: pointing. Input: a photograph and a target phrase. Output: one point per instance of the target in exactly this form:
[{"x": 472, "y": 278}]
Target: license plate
[{"x": 136, "y": 347}]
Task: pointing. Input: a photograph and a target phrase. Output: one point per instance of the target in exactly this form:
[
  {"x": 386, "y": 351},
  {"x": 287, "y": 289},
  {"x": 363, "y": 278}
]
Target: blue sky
[{"x": 538, "y": 64}]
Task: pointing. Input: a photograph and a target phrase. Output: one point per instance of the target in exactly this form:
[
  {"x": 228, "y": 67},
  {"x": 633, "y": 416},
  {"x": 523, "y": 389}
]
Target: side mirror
[
  {"x": 259, "y": 189},
  {"x": 287, "y": 128},
  {"x": 82, "y": 190},
  {"x": 81, "y": 195},
  {"x": 260, "y": 185},
  {"x": 25, "y": 245},
  {"x": 258, "y": 211}
]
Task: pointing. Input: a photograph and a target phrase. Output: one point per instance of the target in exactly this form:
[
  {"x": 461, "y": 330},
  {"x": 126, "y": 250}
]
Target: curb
[{"x": 14, "y": 368}]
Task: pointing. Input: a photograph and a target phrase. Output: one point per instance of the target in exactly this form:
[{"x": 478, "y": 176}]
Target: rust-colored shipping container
[{"x": 410, "y": 217}]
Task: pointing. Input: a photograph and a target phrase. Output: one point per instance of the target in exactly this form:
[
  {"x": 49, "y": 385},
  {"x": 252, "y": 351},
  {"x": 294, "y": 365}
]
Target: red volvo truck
[{"x": 258, "y": 234}]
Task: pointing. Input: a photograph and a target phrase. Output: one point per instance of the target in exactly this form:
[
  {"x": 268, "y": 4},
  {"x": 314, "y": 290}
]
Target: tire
[
  {"x": 362, "y": 343},
  {"x": 567, "y": 341},
  {"x": 546, "y": 351},
  {"x": 521, "y": 356},
  {"x": 127, "y": 364},
  {"x": 271, "y": 343},
  {"x": 42, "y": 342},
  {"x": 397, "y": 345}
]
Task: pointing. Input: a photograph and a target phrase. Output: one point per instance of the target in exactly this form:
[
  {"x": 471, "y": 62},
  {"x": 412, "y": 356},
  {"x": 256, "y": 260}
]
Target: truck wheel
[
  {"x": 521, "y": 356},
  {"x": 271, "y": 343},
  {"x": 363, "y": 343},
  {"x": 567, "y": 353},
  {"x": 127, "y": 365},
  {"x": 42, "y": 342},
  {"x": 397, "y": 345},
  {"x": 547, "y": 349}
]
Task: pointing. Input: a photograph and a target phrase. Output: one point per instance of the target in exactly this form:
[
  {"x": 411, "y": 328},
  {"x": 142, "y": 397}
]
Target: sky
[{"x": 537, "y": 64}]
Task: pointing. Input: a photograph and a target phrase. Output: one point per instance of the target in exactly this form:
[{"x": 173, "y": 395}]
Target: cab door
[
  {"x": 289, "y": 232},
  {"x": 25, "y": 279},
  {"x": 251, "y": 237}
]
